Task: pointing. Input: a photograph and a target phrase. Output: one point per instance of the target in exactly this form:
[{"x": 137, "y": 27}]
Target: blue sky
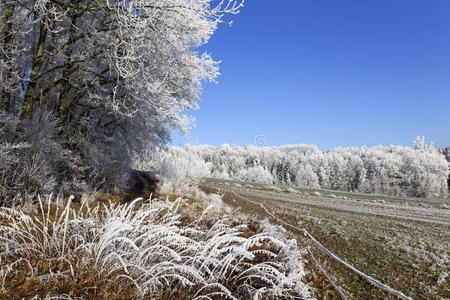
[{"x": 329, "y": 73}]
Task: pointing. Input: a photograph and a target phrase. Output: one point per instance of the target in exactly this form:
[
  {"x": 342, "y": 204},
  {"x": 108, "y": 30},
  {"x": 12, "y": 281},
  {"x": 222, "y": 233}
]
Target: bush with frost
[
  {"x": 255, "y": 174},
  {"x": 32, "y": 162},
  {"x": 145, "y": 250}
]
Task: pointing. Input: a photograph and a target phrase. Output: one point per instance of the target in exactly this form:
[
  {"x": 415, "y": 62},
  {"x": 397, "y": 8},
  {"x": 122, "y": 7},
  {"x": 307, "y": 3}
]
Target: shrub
[
  {"x": 32, "y": 161},
  {"x": 139, "y": 250}
]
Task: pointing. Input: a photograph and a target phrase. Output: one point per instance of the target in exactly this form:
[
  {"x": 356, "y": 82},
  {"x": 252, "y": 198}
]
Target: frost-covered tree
[
  {"x": 446, "y": 153},
  {"x": 115, "y": 76},
  {"x": 256, "y": 174},
  {"x": 419, "y": 143}
]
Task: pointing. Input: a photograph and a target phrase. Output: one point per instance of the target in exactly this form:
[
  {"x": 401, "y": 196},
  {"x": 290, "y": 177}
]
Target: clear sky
[{"x": 330, "y": 73}]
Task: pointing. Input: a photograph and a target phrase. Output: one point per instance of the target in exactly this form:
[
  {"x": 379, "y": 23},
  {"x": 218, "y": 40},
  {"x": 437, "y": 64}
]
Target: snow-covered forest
[{"x": 419, "y": 171}]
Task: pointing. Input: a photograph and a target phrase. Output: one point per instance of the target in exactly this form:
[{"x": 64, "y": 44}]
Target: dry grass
[{"x": 143, "y": 250}]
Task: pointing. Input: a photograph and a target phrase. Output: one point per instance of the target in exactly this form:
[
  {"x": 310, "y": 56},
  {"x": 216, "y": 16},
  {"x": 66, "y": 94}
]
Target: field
[{"x": 402, "y": 242}]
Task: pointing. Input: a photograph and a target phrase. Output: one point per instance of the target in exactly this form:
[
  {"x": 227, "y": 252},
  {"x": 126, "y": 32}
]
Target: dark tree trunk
[
  {"x": 7, "y": 38},
  {"x": 35, "y": 70}
]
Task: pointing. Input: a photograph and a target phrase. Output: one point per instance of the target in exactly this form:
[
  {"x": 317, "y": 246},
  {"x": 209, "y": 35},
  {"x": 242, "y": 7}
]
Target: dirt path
[{"x": 403, "y": 244}]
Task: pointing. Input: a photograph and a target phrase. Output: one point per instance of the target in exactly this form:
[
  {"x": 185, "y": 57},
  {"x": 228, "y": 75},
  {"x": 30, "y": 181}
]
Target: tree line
[{"x": 419, "y": 171}]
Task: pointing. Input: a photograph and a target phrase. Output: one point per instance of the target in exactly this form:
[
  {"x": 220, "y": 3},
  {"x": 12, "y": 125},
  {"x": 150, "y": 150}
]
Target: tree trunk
[
  {"x": 7, "y": 38},
  {"x": 63, "y": 101},
  {"x": 37, "y": 64}
]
